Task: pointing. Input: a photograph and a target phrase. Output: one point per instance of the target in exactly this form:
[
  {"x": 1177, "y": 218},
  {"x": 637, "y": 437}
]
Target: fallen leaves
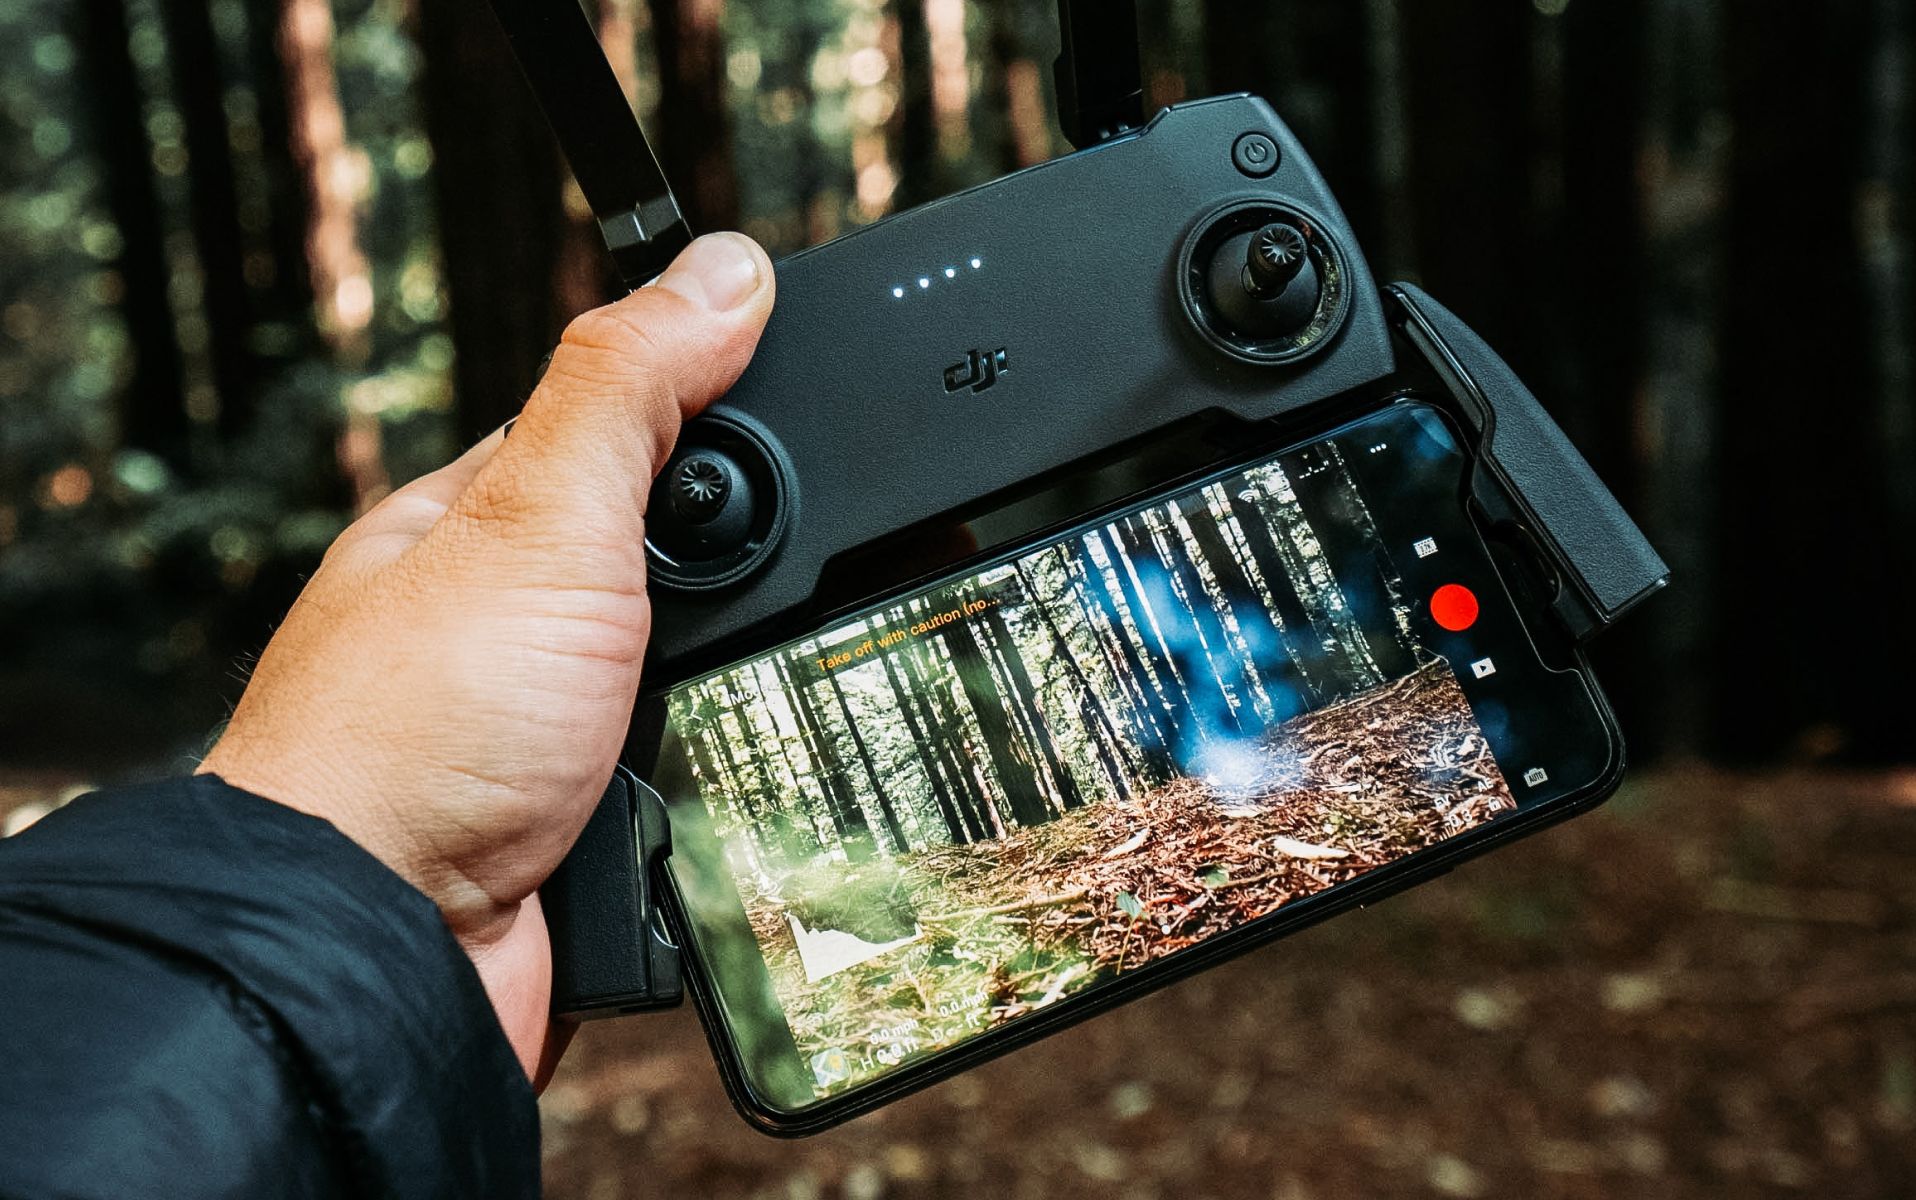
[{"x": 1032, "y": 917}]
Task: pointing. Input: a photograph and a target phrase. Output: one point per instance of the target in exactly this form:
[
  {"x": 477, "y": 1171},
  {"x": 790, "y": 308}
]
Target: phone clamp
[{"x": 612, "y": 951}]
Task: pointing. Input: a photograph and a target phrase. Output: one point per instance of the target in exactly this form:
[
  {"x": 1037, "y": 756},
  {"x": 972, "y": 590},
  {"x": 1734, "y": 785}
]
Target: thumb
[{"x": 603, "y": 420}]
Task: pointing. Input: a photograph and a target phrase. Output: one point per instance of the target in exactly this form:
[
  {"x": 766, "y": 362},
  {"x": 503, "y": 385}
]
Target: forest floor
[{"x": 1017, "y": 923}]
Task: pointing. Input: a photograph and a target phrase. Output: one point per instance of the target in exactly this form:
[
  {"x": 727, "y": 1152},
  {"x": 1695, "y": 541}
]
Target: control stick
[{"x": 1263, "y": 282}]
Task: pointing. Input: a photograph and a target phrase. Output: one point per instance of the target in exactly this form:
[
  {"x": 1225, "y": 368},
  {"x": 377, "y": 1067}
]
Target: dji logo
[{"x": 978, "y": 371}]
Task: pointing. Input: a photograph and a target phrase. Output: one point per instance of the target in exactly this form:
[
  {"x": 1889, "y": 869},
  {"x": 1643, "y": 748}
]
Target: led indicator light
[
  {"x": 976, "y": 263},
  {"x": 1454, "y": 607},
  {"x": 924, "y": 283},
  {"x": 898, "y": 293},
  {"x": 951, "y": 272}
]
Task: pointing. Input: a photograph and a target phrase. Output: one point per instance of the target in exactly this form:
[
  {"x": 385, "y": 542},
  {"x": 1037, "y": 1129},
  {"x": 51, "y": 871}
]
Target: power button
[{"x": 1255, "y": 154}]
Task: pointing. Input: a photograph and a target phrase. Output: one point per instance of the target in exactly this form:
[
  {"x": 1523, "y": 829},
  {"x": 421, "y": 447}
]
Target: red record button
[{"x": 1454, "y": 606}]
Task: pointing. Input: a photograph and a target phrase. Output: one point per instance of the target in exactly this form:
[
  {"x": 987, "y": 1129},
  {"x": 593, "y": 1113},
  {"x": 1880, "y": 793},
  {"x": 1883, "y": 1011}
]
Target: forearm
[{"x": 204, "y": 993}]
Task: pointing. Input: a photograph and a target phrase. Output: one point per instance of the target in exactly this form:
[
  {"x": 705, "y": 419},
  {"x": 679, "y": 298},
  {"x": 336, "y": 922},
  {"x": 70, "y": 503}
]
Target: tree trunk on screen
[
  {"x": 1038, "y": 731},
  {"x": 1193, "y": 637},
  {"x": 921, "y": 740},
  {"x": 770, "y": 813},
  {"x": 711, "y": 779},
  {"x": 1293, "y": 625},
  {"x": 879, "y": 794},
  {"x": 800, "y": 798},
  {"x": 1103, "y": 734},
  {"x": 1346, "y": 666},
  {"x": 1355, "y": 551},
  {"x": 1025, "y": 805},
  {"x": 1283, "y": 682},
  {"x": 942, "y": 723},
  {"x": 1146, "y": 713},
  {"x": 1219, "y": 657},
  {"x": 848, "y": 819},
  {"x": 1160, "y": 682}
]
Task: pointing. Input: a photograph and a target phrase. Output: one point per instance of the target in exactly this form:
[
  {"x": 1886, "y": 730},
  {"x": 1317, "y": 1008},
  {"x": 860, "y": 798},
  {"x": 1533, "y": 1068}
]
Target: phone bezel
[{"x": 1374, "y": 885}]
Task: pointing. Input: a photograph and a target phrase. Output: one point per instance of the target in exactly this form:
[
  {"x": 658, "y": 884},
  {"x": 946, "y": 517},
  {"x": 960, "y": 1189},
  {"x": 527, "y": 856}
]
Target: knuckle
[{"x": 617, "y": 339}]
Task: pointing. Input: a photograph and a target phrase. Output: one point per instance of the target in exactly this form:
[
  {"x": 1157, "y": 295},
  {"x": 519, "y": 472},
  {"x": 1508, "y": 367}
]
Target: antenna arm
[{"x": 1100, "y": 87}]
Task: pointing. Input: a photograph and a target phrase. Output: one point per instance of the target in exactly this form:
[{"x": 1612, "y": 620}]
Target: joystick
[
  {"x": 1263, "y": 283},
  {"x": 1276, "y": 256},
  {"x": 707, "y": 509},
  {"x": 717, "y": 509}
]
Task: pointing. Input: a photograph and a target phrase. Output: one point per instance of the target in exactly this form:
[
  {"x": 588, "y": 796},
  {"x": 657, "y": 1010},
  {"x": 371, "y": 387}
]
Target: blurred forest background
[{"x": 261, "y": 260}]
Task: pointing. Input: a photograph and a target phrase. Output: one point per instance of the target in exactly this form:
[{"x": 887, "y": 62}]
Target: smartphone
[{"x": 990, "y": 806}]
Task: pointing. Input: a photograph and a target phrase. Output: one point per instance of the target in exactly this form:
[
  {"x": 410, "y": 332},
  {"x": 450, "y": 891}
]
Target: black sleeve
[{"x": 203, "y": 993}]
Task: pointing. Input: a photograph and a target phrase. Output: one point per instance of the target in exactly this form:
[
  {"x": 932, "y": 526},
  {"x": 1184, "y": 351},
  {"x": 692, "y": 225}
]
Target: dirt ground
[{"x": 1705, "y": 989}]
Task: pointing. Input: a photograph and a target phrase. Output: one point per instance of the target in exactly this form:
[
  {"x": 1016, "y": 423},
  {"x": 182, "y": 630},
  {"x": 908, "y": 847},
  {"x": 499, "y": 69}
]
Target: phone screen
[{"x": 978, "y": 801}]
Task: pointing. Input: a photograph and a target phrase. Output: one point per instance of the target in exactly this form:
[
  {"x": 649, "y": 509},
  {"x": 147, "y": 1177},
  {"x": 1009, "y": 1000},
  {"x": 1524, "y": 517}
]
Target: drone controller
[{"x": 1194, "y": 266}]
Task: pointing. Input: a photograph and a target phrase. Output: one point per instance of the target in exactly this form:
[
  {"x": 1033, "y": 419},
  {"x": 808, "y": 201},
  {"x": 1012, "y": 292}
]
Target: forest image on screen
[{"x": 981, "y": 800}]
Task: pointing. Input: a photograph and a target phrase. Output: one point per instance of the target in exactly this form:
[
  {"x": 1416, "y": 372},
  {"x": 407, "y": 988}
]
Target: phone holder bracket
[{"x": 612, "y": 950}]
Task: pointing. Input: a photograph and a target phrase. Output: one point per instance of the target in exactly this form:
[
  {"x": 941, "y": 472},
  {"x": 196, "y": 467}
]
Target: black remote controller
[{"x": 1192, "y": 266}]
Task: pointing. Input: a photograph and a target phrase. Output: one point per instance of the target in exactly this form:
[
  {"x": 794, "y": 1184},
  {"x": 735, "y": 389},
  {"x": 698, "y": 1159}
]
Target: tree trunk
[
  {"x": 286, "y": 293},
  {"x": 1103, "y": 734},
  {"x": 921, "y": 740},
  {"x": 1305, "y": 651},
  {"x": 152, "y": 404},
  {"x": 193, "y": 52},
  {"x": 1355, "y": 553},
  {"x": 1789, "y": 535},
  {"x": 1069, "y": 796},
  {"x": 1207, "y": 706},
  {"x": 1283, "y": 683},
  {"x": 694, "y": 135},
  {"x": 920, "y": 167},
  {"x": 1026, "y": 807},
  {"x": 1467, "y": 87},
  {"x": 1218, "y": 656},
  {"x": 1173, "y": 700},
  {"x": 771, "y": 812},
  {"x": 1886, "y": 211},
  {"x": 941, "y": 721},
  {"x": 1347, "y": 664},
  {"x": 750, "y": 800},
  {"x": 497, "y": 182},
  {"x": 1310, "y": 60},
  {"x": 800, "y": 801},
  {"x": 848, "y": 819},
  {"x": 1146, "y": 710},
  {"x": 897, "y": 831}
]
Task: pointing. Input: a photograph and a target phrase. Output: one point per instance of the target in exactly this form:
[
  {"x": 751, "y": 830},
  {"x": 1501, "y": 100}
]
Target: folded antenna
[
  {"x": 1100, "y": 90},
  {"x": 560, "y": 54}
]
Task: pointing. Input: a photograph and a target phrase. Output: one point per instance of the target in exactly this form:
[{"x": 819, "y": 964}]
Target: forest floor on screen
[{"x": 991, "y": 930}]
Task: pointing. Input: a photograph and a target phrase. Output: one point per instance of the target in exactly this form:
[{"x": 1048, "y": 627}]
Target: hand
[{"x": 453, "y": 686}]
